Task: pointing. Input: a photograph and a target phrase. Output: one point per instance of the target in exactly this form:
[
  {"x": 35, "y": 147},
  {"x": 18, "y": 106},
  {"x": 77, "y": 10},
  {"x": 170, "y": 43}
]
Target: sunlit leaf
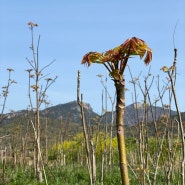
[
  {"x": 165, "y": 69},
  {"x": 92, "y": 57},
  {"x": 115, "y": 60}
]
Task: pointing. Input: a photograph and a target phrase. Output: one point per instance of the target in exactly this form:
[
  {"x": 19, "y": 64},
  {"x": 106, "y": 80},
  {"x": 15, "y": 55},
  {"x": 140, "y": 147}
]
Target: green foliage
[
  {"x": 59, "y": 175},
  {"x": 75, "y": 148},
  {"x": 72, "y": 175}
]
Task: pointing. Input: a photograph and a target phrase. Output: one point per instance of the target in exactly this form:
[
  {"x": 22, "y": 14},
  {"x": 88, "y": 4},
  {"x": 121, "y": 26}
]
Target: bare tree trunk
[
  {"x": 88, "y": 155},
  {"x": 38, "y": 156},
  {"x": 93, "y": 162},
  {"x": 102, "y": 168},
  {"x": 45, "y": 156},
  {"x": 172, "y": 81},
  {"x": 181, "y": 132},
  {"x": 46, "y": 141},
  {"x": 120, "y": 105},
  {"x": 111, "y": 136},
  {"x": 4, "y": 166}
]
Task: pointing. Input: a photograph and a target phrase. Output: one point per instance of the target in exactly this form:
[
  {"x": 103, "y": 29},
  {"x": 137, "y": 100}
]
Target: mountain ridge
[{"x": 70, "y": 112}]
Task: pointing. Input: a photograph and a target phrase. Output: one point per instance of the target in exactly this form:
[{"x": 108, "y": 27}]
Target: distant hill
[
  {"x": 67, "y": 112},
  {"x": 134, "y": 113},
  {"x": 182, "y": 116},
  {"x": 70, "y": 112},
  {"x": 65, "y": 119},
  {"x": 153, "y": 113}
]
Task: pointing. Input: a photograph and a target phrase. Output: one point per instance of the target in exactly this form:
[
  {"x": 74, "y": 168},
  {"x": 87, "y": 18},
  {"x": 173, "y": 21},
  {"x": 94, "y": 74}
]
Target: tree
[
  {"x": 35, "y": 76},
  {"x": 115, "y": 61},
  {"x": 86, "y": 137},
  {"x": 4, "y": 94},
  {"x": 171, "y": 71}
]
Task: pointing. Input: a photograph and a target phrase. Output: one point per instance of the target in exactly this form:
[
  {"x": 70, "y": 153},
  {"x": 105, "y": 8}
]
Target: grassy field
[{"x": 71, "y": 175}]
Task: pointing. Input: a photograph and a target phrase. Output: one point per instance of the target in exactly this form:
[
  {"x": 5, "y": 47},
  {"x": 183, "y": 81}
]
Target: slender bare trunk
[
  {"x": 38, "y": 157},
  {"x": 87, "y": 147},
  {"x": 4, "y": 166},
  {"x": 111, "y": 136},
  {"x": 93, "y": 162},
  {"x": 172, "y": 81},
  {"x": 181, "y": 132},
  {"x": 120, "y": 105},
  {"x": 102, "y": 167}
]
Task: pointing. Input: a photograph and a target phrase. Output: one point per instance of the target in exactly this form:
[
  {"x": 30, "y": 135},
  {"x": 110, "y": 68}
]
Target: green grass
[
  {"x": 71, "y": 175},
  {"x": 63, "y": 175}
]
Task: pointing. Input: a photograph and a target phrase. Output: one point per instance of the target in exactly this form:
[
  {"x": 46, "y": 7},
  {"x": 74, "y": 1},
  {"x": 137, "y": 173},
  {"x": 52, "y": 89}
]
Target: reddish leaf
[{"x": 116, "y": 59}]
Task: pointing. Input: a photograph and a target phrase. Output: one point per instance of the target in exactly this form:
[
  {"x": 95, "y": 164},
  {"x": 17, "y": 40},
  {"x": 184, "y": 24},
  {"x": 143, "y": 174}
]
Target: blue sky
[{"x": 70, "y": 29}]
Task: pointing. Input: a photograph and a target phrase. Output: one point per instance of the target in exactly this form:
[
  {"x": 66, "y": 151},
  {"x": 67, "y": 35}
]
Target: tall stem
[
  {"x": 87, "y": 147},
  {"x": 120, "y": 105},
  {"x": 181, "y": 130}
]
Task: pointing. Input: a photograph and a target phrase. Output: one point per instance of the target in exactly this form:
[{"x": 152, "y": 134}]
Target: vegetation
[
  {"x": 72, "y": 172},
  {"x": 115, "y": 61},
  {"x": 38, "y": 147}
]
